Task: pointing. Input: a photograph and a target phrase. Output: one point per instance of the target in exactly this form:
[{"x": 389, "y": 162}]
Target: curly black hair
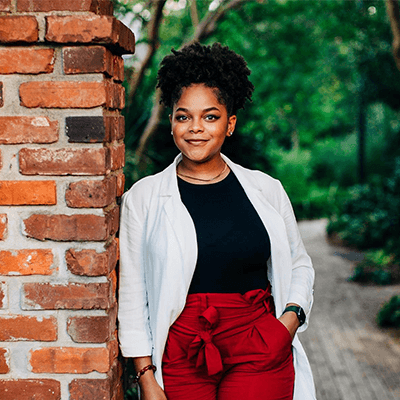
[{"x": 215, "y": 66}]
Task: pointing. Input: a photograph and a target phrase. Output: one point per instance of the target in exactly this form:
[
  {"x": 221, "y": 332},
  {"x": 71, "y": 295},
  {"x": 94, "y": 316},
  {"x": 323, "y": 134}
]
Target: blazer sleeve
[
  {"x": 133, "y": 312},
  {"x": 302, "y": 281}
]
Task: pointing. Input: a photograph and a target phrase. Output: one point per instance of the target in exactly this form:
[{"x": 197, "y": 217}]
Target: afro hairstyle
[{"x": 215, "y": 66}]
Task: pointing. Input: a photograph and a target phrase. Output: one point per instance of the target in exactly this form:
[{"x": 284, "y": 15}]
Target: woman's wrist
[{"x": 147, "y": 368}]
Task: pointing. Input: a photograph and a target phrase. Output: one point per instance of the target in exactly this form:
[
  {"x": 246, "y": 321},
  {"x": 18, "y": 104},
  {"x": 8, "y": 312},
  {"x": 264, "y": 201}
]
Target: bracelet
[{"x": 143, "y": 370}]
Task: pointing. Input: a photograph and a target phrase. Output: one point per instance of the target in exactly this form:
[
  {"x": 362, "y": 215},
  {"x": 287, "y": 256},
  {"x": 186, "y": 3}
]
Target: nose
[{"x": 196, "y": 126}]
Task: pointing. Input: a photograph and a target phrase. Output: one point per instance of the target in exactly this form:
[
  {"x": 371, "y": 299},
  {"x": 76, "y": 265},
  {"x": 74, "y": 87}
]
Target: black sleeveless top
[{"x": 233, "y": 244}]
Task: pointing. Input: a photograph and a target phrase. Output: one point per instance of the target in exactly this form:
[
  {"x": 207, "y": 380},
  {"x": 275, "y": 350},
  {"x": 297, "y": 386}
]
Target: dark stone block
[{"x": 85, "y": 129}]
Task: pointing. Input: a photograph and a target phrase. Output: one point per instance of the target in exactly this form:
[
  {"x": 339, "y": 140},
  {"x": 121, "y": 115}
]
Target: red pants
[{"x": 228, "y": 347}]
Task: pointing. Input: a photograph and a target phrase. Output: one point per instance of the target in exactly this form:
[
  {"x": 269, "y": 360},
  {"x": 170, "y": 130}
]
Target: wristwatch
[{"x": 301, "y": 316}]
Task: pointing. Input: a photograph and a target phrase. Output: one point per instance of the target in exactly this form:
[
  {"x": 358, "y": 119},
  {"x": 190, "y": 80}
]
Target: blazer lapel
[{"x": 181, "y": 223}]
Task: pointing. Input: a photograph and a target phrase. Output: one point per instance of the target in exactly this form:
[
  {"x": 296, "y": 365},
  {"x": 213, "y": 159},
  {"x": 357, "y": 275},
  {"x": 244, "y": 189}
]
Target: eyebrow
[{"x": 205, "y": 110}]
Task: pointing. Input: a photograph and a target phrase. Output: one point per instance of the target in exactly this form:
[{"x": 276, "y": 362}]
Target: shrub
[
  {"x": 378, "y": 267},
  {"x": 389, "y": 314},
  {"x": 293, "y": 168},
  {"x": 370, "y": 216}
]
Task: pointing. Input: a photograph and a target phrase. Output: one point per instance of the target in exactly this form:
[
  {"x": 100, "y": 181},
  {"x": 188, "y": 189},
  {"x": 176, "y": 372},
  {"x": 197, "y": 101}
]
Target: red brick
[
  {"x": 50, "y": 94},
  {"x": 29, "y": 389},
  {"x": 17, "y": 60},
  {"x": 26, "y": 262},
  {"x": 16, "y": 193},
  {"x": 115, "y": 96},
  {"x": 4, "y": 368},
  {"x": 18, "y": 29},
  {"x": 3, "y": 226},
  {"x": 93, "y": 389},
  {"x": 117, "y": 156},
  {"x": 112, "y": 218},
  {"x": 120, "y": 184},
  {"x": 90, "y": 29},
  {"x": 79, "y": 227},
  {"x": 83, "y": 161},
  {"x": 5, "y": 5},
  {"x": 113, "y": 281},
  {"x": 84, "y": 60},
  {"x": 90, "y": 329},
  {"x": 17, "y": 130},
  {"x": 91, "y": 194},
  {"x": 118, "y": 391},
  {"x": 15, "y": 328},
  {"x": 114, "y": 127},
  {"x": 72, "y": 360},
  {"x": 96, "y": 6},
  {"x": 2, "y": 294},
  {"x": 1, "y": 96},
  {"x": 98, "y": 389},
  {"x": 88, "y": 262},
  {"x": 73, "y": 296},
  {"x": 118, "y": 68}
]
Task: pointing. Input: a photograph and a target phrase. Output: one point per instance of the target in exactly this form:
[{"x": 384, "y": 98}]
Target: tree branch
[
  {"x": 153, "y": 29},
  {"x": 149, "y": 131},
  {"x": 209, "y": 23},
  {"x": 393, "y": 10},
  {"x": 194, "y": 15}
]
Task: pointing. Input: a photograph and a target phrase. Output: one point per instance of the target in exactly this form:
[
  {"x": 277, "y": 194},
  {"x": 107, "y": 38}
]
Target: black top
[{"x": 233, "y": 244}]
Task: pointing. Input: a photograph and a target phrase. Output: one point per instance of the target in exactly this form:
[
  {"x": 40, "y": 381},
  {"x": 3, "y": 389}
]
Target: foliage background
[{"x": 316, "y": 66}]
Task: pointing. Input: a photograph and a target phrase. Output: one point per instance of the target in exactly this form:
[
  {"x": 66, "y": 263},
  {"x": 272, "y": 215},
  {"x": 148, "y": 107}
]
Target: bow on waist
[{"x": 202, "y": 346}]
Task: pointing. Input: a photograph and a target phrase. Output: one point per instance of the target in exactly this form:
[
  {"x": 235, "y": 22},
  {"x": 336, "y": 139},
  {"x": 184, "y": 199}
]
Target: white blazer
[{"x": 158, "y": 254}]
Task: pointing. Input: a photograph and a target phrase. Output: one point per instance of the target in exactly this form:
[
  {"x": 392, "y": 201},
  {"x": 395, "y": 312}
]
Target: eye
[
  {"x": 211, "y": 117},
  {"x": 181, "y": 118}
]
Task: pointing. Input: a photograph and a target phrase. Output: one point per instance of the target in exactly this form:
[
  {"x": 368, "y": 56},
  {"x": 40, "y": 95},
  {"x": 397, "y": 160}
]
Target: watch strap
[{"x": 301, "y": 316}]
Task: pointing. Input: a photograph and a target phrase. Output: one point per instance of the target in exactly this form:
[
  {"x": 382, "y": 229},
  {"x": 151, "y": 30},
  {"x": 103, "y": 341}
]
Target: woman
[{"x": 210, "y": 254}]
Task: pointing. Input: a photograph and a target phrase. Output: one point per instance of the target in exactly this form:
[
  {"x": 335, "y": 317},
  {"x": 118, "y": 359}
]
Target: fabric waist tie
[{"x": 236, "y": 308}]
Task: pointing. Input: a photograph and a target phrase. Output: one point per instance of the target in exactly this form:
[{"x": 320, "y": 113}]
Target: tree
[
  {"x": 306, "y": 58},
  {"x": 393, "y": 9}
]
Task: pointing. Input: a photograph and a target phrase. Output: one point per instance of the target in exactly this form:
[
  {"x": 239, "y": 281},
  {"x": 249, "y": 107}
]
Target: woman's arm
[
  {"x": 302, "y": 281},
  {"x": 133, "y": 313},
  {"x": 149, "y": 388}
]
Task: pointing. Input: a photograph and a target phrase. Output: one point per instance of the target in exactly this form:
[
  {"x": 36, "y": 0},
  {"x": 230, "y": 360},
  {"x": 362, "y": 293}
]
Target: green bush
[
  {"x": 369, "y": 217},
  {"x": 335, "y": 160},
  {"x": 377, "y": 267},
  {"x": 294, "y": 169},
  {"x": 389, "y": 315}
]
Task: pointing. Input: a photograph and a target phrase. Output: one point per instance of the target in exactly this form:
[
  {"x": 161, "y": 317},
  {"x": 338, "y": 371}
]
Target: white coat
[{"x": 158, "y": 253}]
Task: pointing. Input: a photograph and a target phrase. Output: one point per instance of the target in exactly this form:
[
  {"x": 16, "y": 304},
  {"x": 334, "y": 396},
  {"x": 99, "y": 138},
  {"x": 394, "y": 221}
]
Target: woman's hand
[
  {"x": 291, "y": 322},
  {"x": 150, "y": 389}
]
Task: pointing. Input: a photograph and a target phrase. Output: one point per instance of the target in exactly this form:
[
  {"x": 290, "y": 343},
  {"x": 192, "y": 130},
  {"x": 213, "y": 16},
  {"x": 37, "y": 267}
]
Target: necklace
[{"x": 203, "y": 180}]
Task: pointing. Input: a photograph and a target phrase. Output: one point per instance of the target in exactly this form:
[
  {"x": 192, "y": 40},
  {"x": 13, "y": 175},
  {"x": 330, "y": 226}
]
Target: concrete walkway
[{"x": 351, "y": 358}]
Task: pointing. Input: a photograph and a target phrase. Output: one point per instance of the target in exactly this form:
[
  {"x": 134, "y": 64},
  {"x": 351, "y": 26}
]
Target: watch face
[{"x": 301, "y": 316}]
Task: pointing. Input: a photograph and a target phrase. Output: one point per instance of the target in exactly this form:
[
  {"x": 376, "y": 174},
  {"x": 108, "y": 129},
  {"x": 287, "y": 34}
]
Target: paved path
[{"x": 351, "y": 358}]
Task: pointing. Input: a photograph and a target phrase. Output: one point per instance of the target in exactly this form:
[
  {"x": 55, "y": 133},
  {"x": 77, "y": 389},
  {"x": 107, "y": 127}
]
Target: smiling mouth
[{"x": 196, "y": 141}]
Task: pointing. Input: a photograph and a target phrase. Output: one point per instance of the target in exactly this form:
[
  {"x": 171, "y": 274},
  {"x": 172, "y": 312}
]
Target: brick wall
[{"x": 61, "y": 159}]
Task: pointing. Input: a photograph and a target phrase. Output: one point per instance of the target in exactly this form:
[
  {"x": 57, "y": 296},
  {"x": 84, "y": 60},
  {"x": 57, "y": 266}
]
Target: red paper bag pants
[{"x": 228, "y": 347}]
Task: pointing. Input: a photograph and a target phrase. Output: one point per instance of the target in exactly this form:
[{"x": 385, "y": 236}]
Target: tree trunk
[{"x": 393, "y": 10}]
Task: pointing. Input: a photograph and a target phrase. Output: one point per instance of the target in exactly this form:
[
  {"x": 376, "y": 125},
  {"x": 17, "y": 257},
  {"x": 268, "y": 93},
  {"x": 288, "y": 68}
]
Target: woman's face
[{"x": 200, "y": 124}]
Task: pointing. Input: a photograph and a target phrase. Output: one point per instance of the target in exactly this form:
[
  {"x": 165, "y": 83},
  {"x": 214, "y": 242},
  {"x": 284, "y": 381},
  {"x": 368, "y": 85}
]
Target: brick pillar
[{"x": 61, "y": 159}]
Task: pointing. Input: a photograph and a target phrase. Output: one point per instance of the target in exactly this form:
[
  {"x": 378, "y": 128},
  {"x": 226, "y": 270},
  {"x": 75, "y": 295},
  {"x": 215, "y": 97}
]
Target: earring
[
  {"x": 230, "y": 133},
  {"x": 172, "y": 133}
]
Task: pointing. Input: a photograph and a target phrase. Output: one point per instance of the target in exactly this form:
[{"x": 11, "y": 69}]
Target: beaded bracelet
[{"x": 143, "y": 370}]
